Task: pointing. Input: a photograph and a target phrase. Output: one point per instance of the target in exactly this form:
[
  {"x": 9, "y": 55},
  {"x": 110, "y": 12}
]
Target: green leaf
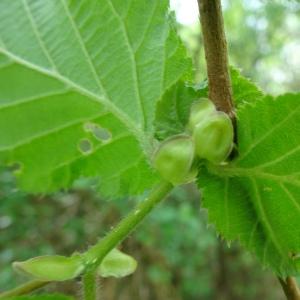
[
  {"x": 173, "y": 110},
  {"x": 117, "y": 264},
  {"x": 244, "y": 90},
  {"x": 43, "y": 297},
  {"x": 65, "y": 65},
  {"x": 256, "y": 197}
]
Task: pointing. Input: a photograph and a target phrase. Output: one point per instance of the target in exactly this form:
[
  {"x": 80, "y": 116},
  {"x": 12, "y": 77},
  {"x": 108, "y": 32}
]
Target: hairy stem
[
  {"x": 290, "y": 288},
  {"x": 95, "y": 255},
  {"x": 24, "y": 289},
  {"x": 89, "y": 281},
  {"x": 215, "y": 46}
]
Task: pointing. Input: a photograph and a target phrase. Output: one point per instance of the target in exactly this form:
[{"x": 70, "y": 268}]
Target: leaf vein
[
  {"x": 278, "y": 159},
  {"x": 84, "y": 49},
  {"x": 265, "y": 220},
  {"x": 37, "y": 34},
  {"x": 21, "y": 101},
  {"x": 45, "y": 133},
  {"x": 226, "y": 203},
  {"x": 133, "y": 60},
  {"x": 83, "y": 91},
  {"x": 95, "y": 150},
  {"x": 290, "y": 196},
  {"x": 263, "y": 137}
]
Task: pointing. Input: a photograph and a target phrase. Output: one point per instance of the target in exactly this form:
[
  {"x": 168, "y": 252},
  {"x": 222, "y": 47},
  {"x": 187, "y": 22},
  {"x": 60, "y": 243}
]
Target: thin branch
[
  {"x": 24, "y": 289},
  {"x": 95, "y": 255},
  {"x": 215, "y": 46},
  {"x": 290, "y": 288}
]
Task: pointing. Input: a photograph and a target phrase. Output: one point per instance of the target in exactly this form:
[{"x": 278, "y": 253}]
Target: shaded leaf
[
  {"x": 173, "y": 109},
  {"x": 256, "y": 197}
]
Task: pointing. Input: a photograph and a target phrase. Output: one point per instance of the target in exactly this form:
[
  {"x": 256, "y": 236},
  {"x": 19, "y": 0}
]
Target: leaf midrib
[
  {"x": 95, "y": 149},
  {"x": 267, "y": 133},
  {"x": 232, "y": 171},
  {"x": 52, "y": 130},
  {"x": 83, "y": 91}
]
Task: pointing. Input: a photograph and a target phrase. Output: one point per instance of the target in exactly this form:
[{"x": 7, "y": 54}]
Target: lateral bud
[
  {"x": 214, "y": 137},
  {"x": 200, "y": 110},
  {"x": 174, "y": 159}
]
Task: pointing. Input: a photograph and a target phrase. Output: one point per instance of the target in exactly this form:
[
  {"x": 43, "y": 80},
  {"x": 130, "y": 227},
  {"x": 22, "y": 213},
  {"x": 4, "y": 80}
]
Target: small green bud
[
  {"x": 117, "y": 264},
  {"x": 200, "y": 110},
  {"x": 174, "y": 158},
  {"x": 214, "y": 137},
  {"x": 51, "y": 267}
]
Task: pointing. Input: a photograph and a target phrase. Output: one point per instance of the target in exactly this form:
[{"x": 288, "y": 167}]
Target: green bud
[
  {"x": 214, "y": 137},
  {"x": 200, "y": 110},
  {"x": 174, "y": 158},
  {"x": 51, "y": 267},
  {"x": 117, "y": 264}
]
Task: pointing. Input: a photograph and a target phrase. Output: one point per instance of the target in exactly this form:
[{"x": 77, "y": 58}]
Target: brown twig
[
  {"x": 24, "y": 289},
  {"x": 290, "y": 288},
  {"x": 219, "y": 83}
]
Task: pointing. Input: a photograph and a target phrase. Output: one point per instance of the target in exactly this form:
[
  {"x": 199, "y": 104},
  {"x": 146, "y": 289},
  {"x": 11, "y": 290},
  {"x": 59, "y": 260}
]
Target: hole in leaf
[
  {"x": 16, "y": 167},
  {"x": 100, "y": 133},
  {"x": 88, "y": 127},
  {"x": 85, "y": 146}
]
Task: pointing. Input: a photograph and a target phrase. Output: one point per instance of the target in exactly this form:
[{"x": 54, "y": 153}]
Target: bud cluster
[{"x": 209, "y": 137}]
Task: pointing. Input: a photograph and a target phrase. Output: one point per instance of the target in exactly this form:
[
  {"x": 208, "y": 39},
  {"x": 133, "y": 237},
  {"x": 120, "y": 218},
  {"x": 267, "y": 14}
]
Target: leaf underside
[
  {"x": 173, "y": 110},
  {"x": 71, "y": 70},
  {"x": 257, "y": 198}
]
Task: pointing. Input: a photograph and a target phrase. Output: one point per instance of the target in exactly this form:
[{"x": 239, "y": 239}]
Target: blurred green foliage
[
  {"x": 263, "y": 40},
  {"x": 179, "y": 257}
]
